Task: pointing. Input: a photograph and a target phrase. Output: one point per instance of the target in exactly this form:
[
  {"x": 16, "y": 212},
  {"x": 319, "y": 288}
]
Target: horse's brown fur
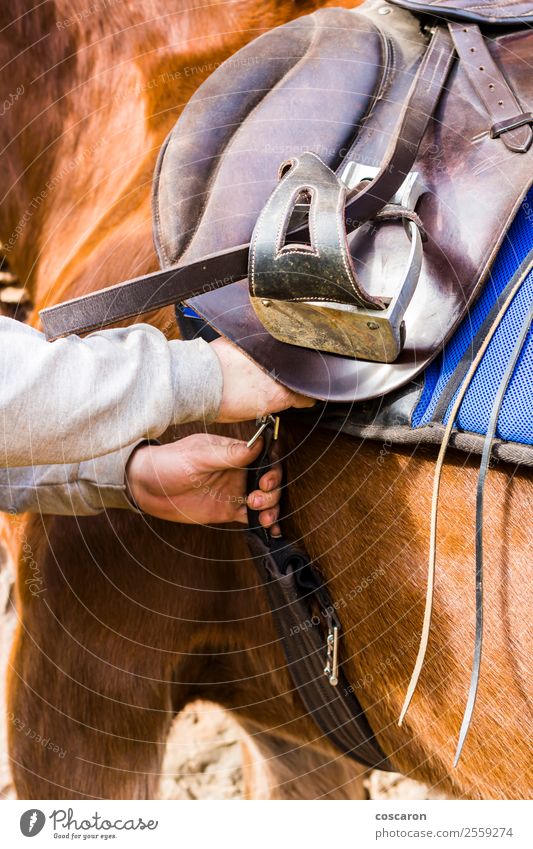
[{"x": 136, "y": 617}]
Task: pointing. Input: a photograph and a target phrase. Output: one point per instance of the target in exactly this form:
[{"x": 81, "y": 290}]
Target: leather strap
[
  {"x": 304, "y": 615},
  {"x": 181, "y": 282},
  {"x": 484, "y": 467},
  {"x": 519, "y": 278},
  {"x": 419, "y": 108},
  {"x": 144, "y": 294},
  {"x": 508, "y": 119}
]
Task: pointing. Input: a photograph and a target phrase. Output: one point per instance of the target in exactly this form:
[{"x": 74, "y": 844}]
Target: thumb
[
  {"x": 239, "y": 455},
  {"x": 222, "y": 452}
]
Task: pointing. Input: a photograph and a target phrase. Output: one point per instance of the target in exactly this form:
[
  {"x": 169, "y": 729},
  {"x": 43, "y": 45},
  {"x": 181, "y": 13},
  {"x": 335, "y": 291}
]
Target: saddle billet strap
[
  {"x": 484, "y": 467},
  {"x": 292, "y": 584},
  {"x": 182, "y": 282},
  {"x": 509, "y": 121},
  {"x": 511, "y": 292}
]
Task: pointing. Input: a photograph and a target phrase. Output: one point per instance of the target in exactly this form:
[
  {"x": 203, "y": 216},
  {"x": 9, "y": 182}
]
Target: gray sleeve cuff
[
  {"x": 101, "y": 482},
  {"x": 75, "y": 489},
  {"x": 197, "y": 381}
]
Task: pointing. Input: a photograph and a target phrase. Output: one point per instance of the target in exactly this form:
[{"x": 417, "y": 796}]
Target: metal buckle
[
  {"x": 331, "y": 669},
  {"x": 263, "y": 422}
]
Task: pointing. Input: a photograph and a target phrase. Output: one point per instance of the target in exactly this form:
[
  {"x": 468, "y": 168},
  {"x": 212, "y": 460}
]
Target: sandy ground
[
  {"x": 203, "y": 758},
  {"x": 203, "y": 761}
]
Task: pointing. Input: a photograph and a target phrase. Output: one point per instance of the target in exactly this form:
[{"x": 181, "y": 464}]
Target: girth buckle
[
  {"x": 262, "y": 422},
  {"x": 331, "y": 669}
]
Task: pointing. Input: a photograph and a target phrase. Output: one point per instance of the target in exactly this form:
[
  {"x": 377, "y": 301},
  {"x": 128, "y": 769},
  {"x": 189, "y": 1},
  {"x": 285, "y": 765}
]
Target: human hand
[
  {"x": 249, "y": 392},
  {"x": 201, "y": 479}
]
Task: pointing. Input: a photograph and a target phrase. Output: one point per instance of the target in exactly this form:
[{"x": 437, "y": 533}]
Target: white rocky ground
[{"x": 203, "y": 761}]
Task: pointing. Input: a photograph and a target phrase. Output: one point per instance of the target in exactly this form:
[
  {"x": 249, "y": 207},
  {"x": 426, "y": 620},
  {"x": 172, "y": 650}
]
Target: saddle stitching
[
  {"x": 389, "y": 67},
  {"x": 284, "y": 223},
  {"x": 253, "y": 243}
]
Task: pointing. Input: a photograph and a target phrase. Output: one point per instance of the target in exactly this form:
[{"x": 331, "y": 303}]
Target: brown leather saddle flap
[{"x": 313, "y": 85}]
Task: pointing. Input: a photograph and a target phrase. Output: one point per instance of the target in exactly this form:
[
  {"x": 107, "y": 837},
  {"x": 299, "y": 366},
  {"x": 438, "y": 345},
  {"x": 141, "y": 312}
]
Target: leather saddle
[{"x": 404, "y": 137}]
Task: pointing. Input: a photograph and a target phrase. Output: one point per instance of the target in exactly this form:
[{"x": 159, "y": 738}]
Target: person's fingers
[
  {"x": 272, "y": 478},
  {"x": 193, "y": 514},
  {"x": 268, "y": 517},
  {"x": 259, "y": 500}
]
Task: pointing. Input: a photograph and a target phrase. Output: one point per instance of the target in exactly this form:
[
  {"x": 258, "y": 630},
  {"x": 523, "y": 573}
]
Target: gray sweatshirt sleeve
[
  {"x": 70, "y": 489},
  {"x": 76, "y": 399}
]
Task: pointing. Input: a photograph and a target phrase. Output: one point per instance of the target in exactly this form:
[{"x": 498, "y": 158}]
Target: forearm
[{"x": 75, "y": 399}]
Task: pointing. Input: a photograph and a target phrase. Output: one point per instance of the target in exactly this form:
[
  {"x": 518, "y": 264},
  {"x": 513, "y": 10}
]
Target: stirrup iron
[{"x": 308, "y": 294}]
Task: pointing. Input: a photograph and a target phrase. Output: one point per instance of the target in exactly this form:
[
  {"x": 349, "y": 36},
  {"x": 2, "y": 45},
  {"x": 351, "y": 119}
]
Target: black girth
[{"x": 310, "y": 634}]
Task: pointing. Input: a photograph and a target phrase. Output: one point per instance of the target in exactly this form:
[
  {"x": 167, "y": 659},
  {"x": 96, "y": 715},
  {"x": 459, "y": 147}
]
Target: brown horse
[{"x": 134, "y": 617}]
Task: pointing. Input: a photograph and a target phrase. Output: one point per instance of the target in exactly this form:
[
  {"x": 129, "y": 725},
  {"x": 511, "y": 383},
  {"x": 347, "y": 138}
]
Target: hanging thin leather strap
[
  {"x": 426, "y": 627},
  {"x": 308, "y": 625},
  {"x": 181, "y": 282},
  {"x": 484, "y": 467}
]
